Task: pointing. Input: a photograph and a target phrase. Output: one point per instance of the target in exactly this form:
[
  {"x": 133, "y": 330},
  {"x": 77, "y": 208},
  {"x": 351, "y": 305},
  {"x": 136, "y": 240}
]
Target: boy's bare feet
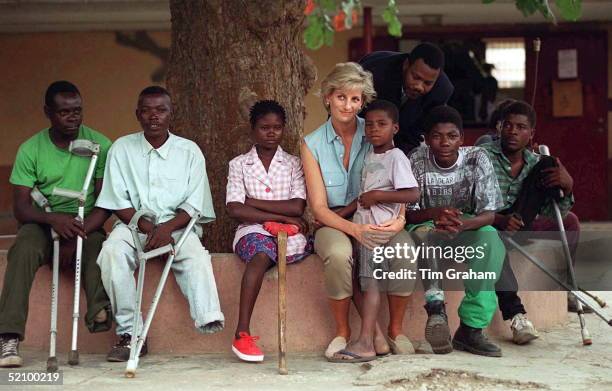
[{"x": 381, "y": 347}]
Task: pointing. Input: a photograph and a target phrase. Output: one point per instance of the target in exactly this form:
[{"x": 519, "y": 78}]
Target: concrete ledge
[{"x": 310, "y": 326}]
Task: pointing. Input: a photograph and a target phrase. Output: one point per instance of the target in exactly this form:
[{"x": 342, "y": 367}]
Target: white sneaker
[
  {"x": 9, "y": 353},
  {"x": 522, "y": 330}
]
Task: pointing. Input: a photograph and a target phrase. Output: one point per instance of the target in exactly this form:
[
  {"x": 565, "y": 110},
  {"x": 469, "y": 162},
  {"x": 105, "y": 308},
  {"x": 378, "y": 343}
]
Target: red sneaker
[{"x": 246, "y": 349}]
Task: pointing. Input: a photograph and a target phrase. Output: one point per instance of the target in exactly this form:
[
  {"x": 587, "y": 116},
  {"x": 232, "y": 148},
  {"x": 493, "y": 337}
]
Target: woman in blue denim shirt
[{"x": 333, "y": 157}]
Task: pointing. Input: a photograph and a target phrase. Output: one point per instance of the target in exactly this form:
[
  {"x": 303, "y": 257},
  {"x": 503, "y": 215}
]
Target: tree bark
[{"x": 225, "y": 55}]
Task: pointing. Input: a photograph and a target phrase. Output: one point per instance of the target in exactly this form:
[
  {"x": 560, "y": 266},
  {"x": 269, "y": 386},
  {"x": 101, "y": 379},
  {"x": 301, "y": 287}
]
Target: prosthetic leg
[{"x": 139, "y": 332}]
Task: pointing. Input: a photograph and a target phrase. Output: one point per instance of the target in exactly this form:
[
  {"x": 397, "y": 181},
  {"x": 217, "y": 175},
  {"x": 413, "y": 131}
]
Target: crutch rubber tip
[
  {"x": 73, "y": 357},
  {"x": 52, "y": 364},
  {"x": 130, "y": 369},
  {"x": 587, "y": 342}
]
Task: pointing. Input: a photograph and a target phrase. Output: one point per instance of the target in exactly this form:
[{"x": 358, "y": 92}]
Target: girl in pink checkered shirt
[{"x": 265, "y": 184}]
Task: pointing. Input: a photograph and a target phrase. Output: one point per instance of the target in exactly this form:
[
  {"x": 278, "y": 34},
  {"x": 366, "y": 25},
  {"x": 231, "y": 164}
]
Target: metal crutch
[
  {"x": 282, "y": 301},
  {"x": 586, "y": 337},
  {"x": 138, "y": 337},
  {"x": 43, "y": 203},
  {"x": 83, "y": 148},
  {"x": 580, "y": 295}
]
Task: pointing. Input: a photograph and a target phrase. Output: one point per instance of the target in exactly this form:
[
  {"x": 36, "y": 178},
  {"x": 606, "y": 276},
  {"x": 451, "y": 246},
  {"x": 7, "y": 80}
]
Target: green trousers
[
  {"x": 480, "y": 301},
  {"x": 32, "y": 249}
]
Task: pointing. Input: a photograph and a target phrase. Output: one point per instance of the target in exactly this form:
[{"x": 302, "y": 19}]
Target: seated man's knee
[
  {"x": 31, "y": 243},
  {"x": 571, "y": 222}
]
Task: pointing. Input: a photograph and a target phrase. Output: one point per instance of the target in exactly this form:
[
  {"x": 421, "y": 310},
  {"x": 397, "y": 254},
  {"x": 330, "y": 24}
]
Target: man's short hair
[
  {"x": 521, "y": 108},
  {"x": 153, "y": 90},
  {"x": 498, "y": 113},
  {"x": 59, "y": 87},
  {"x": 443, "y": 115},
  {"x": 386, "y": 106},
  {"x": 431, "y": 55},
  {"x": 263, "y": 107}
]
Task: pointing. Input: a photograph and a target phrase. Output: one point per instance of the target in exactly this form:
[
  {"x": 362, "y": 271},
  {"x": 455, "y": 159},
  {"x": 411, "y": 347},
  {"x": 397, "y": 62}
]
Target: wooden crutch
[{"x": 282, "y": 302}]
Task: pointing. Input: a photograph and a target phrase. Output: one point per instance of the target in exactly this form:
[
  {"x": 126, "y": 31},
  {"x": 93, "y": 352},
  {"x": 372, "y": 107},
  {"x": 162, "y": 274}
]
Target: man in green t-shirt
[{"x": 43, "y": 161}]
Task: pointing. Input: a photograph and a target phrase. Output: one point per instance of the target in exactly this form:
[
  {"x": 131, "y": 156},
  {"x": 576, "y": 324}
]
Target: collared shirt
[
  {"x": 162, "y": 180},
  {"x": 284, "y": 180},
  {"x": 510, "y": 186},
  {"x": 387, "y": 74},
  {"x": 326, "y": 146}
]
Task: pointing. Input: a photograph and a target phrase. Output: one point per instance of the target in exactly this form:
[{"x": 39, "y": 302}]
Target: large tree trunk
[{"x": 225, "y": 55}]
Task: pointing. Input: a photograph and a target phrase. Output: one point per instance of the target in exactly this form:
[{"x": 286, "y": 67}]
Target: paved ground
[{"x": 557, "y": 361}]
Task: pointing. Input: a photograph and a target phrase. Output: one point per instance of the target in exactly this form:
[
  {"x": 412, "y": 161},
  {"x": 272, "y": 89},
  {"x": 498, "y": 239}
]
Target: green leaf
[
  {"x": 570, "y": 9},
  {"x": 487, "y": 1},
  {"x": 328, "y": 36},
  {"x": 394, "y": 26},
  {"x": 527, "y": 7},
  {"x": 347, "y": 7},
  {"x": 328, "y": 5},
  {"x": 314, "y": 32}
]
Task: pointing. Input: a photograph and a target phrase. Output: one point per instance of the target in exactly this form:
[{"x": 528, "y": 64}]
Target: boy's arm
[
  {"x": 346, "y": 212},
  {"x": 401, "y": 196},
  {"x": 434, "y": 214},
  {"x": 478, "y": 221},
  {"x": 507, "y": 222}
]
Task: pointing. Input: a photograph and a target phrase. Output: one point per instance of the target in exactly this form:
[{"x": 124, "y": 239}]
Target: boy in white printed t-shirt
[{"x": 387, "y": 183}]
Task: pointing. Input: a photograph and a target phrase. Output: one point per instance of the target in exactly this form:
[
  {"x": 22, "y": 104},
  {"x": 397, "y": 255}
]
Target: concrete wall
[{"x": 109, "y": 77}]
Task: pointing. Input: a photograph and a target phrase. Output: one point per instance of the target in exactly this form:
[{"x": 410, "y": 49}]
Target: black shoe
[
  {"x": 437, "y": 332},
  {"x": 474, "y": 341},
  {"x": 121, "y": 351}
]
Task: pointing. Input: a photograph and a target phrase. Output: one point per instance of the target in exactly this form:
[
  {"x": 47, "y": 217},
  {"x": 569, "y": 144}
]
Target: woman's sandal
[{"x": 353, "y": 357}]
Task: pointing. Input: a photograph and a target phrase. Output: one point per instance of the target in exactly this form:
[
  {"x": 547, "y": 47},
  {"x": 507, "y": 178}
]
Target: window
[{"x": 508, "y": 57}]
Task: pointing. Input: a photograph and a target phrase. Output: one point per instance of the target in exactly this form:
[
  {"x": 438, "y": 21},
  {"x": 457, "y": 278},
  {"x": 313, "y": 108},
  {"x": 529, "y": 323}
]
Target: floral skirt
[{"x": 250, "y": 245}]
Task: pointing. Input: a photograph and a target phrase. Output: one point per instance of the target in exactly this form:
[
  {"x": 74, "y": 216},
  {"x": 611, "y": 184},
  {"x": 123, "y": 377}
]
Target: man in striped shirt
[{"x": 528, "y": 182}]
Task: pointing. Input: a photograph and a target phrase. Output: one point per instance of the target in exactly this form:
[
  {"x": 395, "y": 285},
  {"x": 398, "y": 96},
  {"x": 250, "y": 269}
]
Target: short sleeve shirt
[
  {"x": 387, "y": 171},
  {"x": 162, "y": 180},
  {"x": 284, "y": 180},
  {"x": 40, "y": 163},
  {"x": 469, "y": 185}
]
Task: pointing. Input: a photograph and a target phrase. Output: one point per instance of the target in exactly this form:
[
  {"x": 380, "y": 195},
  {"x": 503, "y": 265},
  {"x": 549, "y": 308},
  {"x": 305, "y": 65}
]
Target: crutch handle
[
  {"x": 133, "y": 225},
  {"x": 77, "y": 195},
  {"x": 545, "y": 151},
  {"x": 84, "y": 147},
  {"x": 39, "y": 198},
  {"x": 168, "y": 248}
]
